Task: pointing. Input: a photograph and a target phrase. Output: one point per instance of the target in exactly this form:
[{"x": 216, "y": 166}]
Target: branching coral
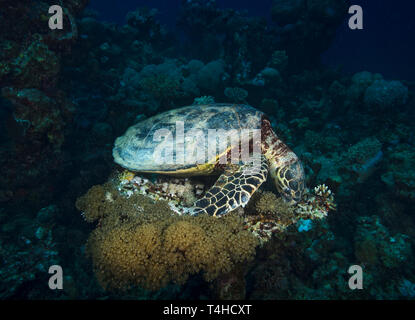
[{"x": 317, "y": 205}]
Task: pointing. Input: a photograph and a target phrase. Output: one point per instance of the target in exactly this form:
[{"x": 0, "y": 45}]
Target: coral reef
[
  {"x": 381, "y": 94},
  {"x": 380, "y": 252},
  {"x": 142, "y": 242},
  {"x": 67, "y": 94},
  {"x": 28, "y": 247},
  {"x": 204, "y": 100},
  {"x": 407, "y": 289},
  {"x": 134, "y": 212},
  {"x": 160, "y": 84},
  {"x": 144, "y": 21},
  {"x": 374, "y": 245},
  {"x": 279, "y": 60},
  {"x": 180, "y": 193},
  {"x": 265, "y": 215},
  {"x": 161, "y": 81},
  {"x": 37, "y": 111},
  {"x": 400, "y": 174},
  {"x": 364, "y": 157},
  {"x": 307, "y": 24},
  {"x": 236, "y": 95}
]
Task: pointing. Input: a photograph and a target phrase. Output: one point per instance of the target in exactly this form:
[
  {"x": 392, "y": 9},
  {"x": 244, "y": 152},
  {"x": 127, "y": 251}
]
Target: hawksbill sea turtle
[{"x": 139, "y": 148}]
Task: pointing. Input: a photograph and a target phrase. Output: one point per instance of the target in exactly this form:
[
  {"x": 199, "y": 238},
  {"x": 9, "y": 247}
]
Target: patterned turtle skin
[{"x": 140, "y": 150}]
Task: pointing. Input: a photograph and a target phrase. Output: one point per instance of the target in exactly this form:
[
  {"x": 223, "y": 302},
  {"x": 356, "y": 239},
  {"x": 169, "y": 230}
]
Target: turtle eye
[{"x": 294, "y": 185}]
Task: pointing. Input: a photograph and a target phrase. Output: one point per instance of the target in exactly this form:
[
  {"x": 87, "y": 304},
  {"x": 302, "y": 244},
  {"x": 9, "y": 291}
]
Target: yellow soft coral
[
  {"x": 270, "y": 205},
  {"x": 92, "y": 204},
  {"x": 141, "y": 242},
  {"x": 130, "y": 253}
]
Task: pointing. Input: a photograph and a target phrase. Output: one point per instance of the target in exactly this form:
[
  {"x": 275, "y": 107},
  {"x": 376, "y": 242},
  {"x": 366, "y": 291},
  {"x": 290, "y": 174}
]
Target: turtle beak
[
  {"x": 290, "y": 196},
  {"x": 290, "y": 181}
]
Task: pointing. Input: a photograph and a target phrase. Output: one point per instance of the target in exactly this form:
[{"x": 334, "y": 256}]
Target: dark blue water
[{"x": 385, "y": 45}]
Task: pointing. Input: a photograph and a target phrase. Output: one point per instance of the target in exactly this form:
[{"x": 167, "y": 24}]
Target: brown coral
[
  {"x": 142, "y": 242},
  {"x": 129, "y": 252},
  {"x": 91, "y": 203},
  {"x": 270, "y": 205}
]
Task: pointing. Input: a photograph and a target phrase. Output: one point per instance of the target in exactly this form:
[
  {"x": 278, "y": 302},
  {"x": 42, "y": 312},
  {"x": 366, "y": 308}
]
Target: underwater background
[{"x": 342, "y": 99}]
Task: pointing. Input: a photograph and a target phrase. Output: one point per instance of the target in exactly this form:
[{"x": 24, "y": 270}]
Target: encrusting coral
[{"x": 142, "y": 242}]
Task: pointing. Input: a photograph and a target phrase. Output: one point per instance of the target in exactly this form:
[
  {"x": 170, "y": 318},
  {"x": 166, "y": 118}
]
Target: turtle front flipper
[{"x": 233, "y": 189}]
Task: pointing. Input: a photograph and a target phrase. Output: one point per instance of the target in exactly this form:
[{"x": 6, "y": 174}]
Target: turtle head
[
  {"x": 285, "y": 168},
  {"x": 290, "y": 181}
]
